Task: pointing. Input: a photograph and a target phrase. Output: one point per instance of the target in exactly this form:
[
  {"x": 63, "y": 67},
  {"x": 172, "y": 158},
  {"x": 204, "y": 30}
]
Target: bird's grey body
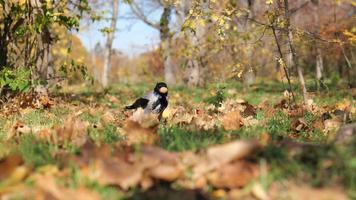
[
  {"x": 154, "y": 102},
  {"x": 152, "y": 106}
]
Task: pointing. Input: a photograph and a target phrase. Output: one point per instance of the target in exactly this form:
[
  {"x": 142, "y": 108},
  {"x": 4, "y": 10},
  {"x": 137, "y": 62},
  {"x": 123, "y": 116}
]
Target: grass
[
  {"x": 179, "y": 139},
  {"x": 279, "y": 125},
  {"x": 107, "y": 135},
  {"x": 251, "y": 132},
  {"x": 35, "y": 152},
  {"x": 320, "y": 164},
  {"x": 41, "y": 118}
]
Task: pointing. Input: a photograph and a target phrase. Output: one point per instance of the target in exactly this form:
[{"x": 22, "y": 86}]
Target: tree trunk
[
  {"x": 195, "y": 68},
  {"x": 4, "y": 40},
  {"x": 193, "y": 72},
  {"x": 166, "y": 54},
  {"x": 292, "y": 57},
  {"x": 168, "y": 63},
  {"x": 249, "y": 75},
  {"x": 109, "y": 41},
  {"x": 319, "y": 67}
]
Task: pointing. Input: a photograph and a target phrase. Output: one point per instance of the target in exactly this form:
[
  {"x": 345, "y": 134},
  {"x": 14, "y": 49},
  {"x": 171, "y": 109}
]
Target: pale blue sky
[{"x": 132, "y": 37}]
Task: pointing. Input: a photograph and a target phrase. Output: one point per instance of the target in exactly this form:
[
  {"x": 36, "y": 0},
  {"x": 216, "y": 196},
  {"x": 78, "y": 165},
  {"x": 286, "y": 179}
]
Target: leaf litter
[{"x": 136, "y": 162}]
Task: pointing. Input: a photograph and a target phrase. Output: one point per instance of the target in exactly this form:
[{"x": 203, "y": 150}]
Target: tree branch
[{"x": 140, "y": 14}]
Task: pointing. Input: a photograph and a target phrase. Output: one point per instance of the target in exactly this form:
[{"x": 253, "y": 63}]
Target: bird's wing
[
  {"x": 150, "y": 96},
  {"x": 141, "y": 102}
]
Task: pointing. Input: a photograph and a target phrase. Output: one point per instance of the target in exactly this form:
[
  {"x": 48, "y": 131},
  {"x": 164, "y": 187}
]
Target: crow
[{"x": 155, "y": 102}]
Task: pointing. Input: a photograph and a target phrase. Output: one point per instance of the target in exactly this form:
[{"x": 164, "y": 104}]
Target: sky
[{"x": 132, "y": 37}]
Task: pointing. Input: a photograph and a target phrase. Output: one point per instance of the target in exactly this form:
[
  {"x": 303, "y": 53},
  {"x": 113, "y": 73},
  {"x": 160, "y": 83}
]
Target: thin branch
[
  {"x": 284, "y": 66},
  {"x": 294, "y": 10},
  {"x": 140, "y": 14}
]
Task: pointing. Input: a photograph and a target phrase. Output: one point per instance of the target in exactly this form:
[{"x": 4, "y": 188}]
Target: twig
[{"x": 284, "y": 66}]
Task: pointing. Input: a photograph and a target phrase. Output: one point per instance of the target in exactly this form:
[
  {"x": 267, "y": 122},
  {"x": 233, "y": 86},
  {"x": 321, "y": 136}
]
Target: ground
[{"x": 220, "y": 142}]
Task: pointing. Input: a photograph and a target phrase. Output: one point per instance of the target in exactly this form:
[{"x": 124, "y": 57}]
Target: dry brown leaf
[
  {"x": 249, "y": 111},
  {"x": 249, "y": 121},
  {"x": 231, "y": 120},
  {"x": 112, "y": 98},
  {"x": 233, "y": 175},
  {"x": 166, "y": 172},
  {"x": 8, "y": 165},
  {"x": 146, "y": 183},
  {"x": 44, "y": 102},
  {"x": 220, "y": 155},
  {"x": 18, "y": 129},
  {"x": 115, "y": 171},
  {"x": 164, "y": 165},
  {"x": 259, "y": 192},
  {"x": 74, "y": 131},
  {"x": 136, "y": 134},
  {"x": 332, "y": 124},
  {"x": 16, "y": 176},
  {"x": 141, "y": 128},
  {"x": 308, "y": 193},
  {"x": 108, "y": 117}
]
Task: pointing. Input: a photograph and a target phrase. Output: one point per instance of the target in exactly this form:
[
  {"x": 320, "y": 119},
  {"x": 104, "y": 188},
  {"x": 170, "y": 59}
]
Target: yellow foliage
[{"x": 269, "y": 2}]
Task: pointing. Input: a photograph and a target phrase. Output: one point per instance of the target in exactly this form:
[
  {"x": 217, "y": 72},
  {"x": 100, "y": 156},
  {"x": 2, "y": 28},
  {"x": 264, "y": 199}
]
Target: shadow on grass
[{"x": 164, "y": 191}]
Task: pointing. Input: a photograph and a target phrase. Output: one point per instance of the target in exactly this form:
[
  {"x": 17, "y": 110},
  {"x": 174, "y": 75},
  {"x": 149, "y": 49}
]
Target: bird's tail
[{"x": 130, "y": 107}]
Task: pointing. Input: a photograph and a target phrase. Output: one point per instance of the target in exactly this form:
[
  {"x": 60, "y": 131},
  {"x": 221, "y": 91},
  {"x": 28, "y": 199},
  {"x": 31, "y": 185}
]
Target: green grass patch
[
  {"x": 35, "y": 152},
  {"x": 179, "y": 139},
  {"x": 107, "y": 135},
  {"x": 218, "y": 98},
  {"x": 279, "y": 125},
  {"x": 93, "y": 119},
  {"x": 40, "y": 118},
  {"x": 250, "y": 132}
]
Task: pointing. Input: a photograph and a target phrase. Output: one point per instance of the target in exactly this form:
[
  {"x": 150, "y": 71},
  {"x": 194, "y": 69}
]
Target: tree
[
  {"x": 292, "y": 55},
  {"x": 163, "y": 27},
  {"x": 27, "y": 36},
  {"x": 114, "y": 4}
]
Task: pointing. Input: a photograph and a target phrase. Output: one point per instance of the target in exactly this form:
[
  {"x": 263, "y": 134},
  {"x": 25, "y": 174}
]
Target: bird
[{"x": 155, "y": 102}]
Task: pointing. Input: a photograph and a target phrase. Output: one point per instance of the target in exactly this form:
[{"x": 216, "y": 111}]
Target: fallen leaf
[
  {"x": 296, "y": 192},
  {"x": 118, "y": 172},
  {"x": 73, "y": 131},
  {"x": 231, "y": 120},
  {"x": 8, "y": 165},
  {"x": 136, "y": 134},
  {"x": 259, "y": 192},
  {"x": 234, "y": 175},
  {"x": 220, "y": 155}
]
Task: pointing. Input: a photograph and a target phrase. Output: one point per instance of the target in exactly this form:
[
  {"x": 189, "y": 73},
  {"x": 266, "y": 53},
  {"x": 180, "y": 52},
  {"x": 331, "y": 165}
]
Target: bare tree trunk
[
  {"x": 193, "y": 73},
  {"x": 165, "y": 36},
  {"x": 195, "y": 68},
  {"x": 292, "y": 57},
  {"x": 168, "y": 63},
  {"x": 319, "y": 67},
  {"x": 109, "y": 41},
  {"x": 166, "y": 46},
  {"x": 249, "y": 75}
]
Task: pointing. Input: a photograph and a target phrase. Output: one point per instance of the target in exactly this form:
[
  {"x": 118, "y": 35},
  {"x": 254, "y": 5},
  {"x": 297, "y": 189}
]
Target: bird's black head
[{"x": 161, "y": 88}]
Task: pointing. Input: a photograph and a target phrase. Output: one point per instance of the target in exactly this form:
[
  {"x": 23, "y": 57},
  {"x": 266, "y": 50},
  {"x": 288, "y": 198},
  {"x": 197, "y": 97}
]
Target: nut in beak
[{"x": 163, "y": 90}]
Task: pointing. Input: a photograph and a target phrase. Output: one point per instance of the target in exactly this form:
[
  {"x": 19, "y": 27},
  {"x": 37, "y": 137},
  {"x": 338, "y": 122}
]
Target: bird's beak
[{"x": 163, "y": 90}]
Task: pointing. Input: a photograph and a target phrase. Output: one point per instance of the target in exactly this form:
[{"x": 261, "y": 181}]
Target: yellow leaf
[{"x": 269, "y": 2}]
